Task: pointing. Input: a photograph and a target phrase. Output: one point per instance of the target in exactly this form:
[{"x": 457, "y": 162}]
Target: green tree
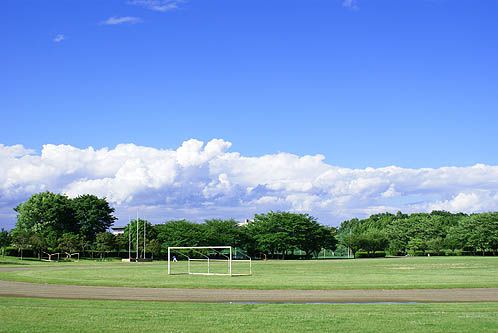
[
  {"x": 180, "y": 233},
  {"x": 104, "y": 242},
  {"x": 221, "y": 233},
  {"x": 122, "y": 243},
  {"x": 436, "y": 245},
  {"x": 155, "y": 248},
  {"x": 348, "y": 235},
  {"x": 46, "y": 213},
  {"x": 93, "y": 215},
  {"x": 70, "y": 243},
  {"x": 480, "y": 231},
  {"x": 373, "y": 240},
  {"x": 41, "y": 242},
  {"x": 20, "y": 239},
  {"x": 271, "y": 233},
  {"x": 328, "y": 238},
  {"x": 308, "y": 235},
  {"x": 4, "y": 240},
  {"x": 284, "y": 232},
  {"x": 416, "y": 245}
]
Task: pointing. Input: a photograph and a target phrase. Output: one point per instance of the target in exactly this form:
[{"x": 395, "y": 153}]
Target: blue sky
[{"x": 365, "y": 83}]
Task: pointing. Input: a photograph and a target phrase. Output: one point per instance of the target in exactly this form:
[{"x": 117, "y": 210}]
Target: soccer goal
[
  {"x": 49, "y": 256},
  {"x": 69, "y": 256},
  {"x": 208, "y": 260}
]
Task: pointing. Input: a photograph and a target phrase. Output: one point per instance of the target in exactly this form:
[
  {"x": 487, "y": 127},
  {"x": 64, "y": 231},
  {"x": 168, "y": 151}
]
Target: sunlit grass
[
  {"x": 389, "y": 273},
  {"x": 49, "y": 315}
]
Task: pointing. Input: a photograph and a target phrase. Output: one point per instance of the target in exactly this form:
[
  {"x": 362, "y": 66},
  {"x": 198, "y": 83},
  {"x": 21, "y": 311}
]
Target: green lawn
[
  {"x": 48, "y": 315},
  {"x": 389, "y": 273}
]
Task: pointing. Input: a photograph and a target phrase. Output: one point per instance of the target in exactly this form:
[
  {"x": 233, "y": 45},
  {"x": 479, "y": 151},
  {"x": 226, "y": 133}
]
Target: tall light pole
[{"x": 144, "y": 238}]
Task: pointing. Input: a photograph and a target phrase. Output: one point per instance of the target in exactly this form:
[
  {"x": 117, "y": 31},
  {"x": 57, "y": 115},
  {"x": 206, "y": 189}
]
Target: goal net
[{"x": 208, "y": 260}]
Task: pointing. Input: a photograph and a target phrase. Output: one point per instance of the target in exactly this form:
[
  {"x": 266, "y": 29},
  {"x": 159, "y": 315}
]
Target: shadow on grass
[
  {"x": 24, "y": 261},
  {"x": 13, "y": 263}
]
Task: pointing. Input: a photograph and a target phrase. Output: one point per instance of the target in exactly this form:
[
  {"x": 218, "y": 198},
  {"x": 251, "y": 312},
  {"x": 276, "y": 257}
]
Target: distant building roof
[{"x": 117, "y": 230}]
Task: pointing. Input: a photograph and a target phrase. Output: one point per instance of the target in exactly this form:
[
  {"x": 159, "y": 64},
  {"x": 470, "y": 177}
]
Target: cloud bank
[{"x": 202, "y": 180}]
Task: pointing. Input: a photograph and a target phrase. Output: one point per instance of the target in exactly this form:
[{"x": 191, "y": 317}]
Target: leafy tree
[
  {"x": 328, "y": 238},
  {"x": 180, "y": 233},
  {"x": 309, "y": 235},
  {"x": 4, "y": 240},
  {"x": 46, "y": 213},
  {"x": 373, "y": 240},
  {"x": 122, "y": 243},
  {"x": 455, "y": 239},
  {"x": 93, "y": 214},
  {"x": 348, "y": 235},
  {"x": 104, "y": 242},
  {"x": 221, "y": 232},
  {"x": 20, "y": 239},
  {"x": 70, "y": 243},
  {"x": 436, "y": 245},
  {"x": 481, "y": 231},
  {"x": 284, "y": 232},
  {"x": 154, "y": 247},
  {"x": 271, "y": 233},
  {"x": 416, "y": 245},
  {"x": 40, "y": 242}
]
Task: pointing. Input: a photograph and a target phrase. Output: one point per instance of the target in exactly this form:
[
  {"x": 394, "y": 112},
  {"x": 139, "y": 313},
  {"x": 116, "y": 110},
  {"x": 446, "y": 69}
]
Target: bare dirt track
[{"x": 22, "y": 289}]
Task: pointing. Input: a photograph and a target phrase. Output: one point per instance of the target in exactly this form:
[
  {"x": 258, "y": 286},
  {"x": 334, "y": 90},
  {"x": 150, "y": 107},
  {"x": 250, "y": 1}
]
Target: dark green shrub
[{"x": 376, "y": 254}]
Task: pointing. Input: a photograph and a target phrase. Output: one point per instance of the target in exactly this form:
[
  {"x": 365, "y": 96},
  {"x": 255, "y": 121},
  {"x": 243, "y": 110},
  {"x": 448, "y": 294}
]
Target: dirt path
[{"x": 22, "y": 289}]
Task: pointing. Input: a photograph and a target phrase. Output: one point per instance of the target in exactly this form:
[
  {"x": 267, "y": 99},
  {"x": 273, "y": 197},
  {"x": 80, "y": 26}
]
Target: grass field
[
  {"x": 392, "y": 273},
  {"x": 41, "y": 315}
]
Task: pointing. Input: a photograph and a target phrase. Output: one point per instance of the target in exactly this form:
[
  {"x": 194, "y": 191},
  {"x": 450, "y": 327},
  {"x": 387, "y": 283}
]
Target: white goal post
[{"x": 212, "y": 260}]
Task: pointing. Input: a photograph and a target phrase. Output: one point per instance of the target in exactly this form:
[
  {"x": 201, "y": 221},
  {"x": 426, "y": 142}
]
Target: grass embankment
[
  {"x": 43, "y": 315},
  {"x": 389, "y": 273}
]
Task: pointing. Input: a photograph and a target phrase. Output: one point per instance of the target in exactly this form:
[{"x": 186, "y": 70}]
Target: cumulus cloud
[
  {"x": 114, "y": 20},
  {"x": 157, "y": 5},
  {"x": 200, "y": 180}
]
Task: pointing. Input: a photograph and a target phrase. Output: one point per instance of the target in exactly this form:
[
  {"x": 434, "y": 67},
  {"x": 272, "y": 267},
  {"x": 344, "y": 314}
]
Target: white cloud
[
  {"x": 157, "y": 5},
  {"x": 58, "y": 38},
  {"x": 199, "y": 180},
  {"x": 115, "y": 20},
  {"x": 351, "y": 4}
]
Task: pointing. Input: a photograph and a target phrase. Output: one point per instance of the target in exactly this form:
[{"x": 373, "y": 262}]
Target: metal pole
[
  {"x": 349, "y": 247},
  {"x": 129, "y": 238},
  {"x": 137, "y": 237},
  {"x": 144, "y": 238},
  {"x": 230, "y": 260},
  {"x": 169, "y": 263}
]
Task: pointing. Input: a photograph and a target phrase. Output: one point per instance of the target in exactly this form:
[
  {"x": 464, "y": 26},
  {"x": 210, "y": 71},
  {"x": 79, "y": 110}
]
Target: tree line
[
  {"x": 436, "y": 233},
  {"x": 49, "y": 222}
]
